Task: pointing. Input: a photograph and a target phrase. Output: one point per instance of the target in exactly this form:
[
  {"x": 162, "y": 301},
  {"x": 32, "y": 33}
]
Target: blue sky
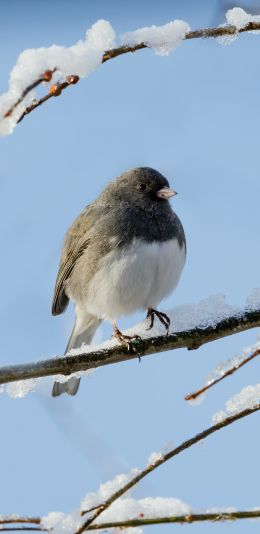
[{"x": 194, "y": 116}]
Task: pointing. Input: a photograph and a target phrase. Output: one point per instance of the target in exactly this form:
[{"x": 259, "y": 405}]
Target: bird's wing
[{"x": 75, "y": 244}]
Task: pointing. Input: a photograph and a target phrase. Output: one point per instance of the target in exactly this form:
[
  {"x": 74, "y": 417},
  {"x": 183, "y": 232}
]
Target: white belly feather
[{"x": 134, "y": 278}]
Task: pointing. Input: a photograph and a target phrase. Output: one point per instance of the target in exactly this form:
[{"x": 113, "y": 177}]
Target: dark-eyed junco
[{"x": 125, "y": 252}]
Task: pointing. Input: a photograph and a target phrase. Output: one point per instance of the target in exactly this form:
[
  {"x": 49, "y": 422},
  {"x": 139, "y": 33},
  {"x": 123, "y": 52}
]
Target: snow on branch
[
  {"x": 122, "y": 511},
  {"x": 221, "y": 515},
  {"x": 248, "y": 397},
  {"x": 65, "y": 66},
  {"x": 193, "y": 325},
  {"x": 190, "y": 518},
  {"x": 225, "y": 369},
  {"x": 161, "y": 459}
]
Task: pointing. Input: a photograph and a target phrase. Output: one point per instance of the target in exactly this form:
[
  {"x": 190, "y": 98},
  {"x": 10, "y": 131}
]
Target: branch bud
[
  {"x": 72, "y": 79},
  {"x": 47, "y": 75},
  {"x": 55, "y": 89}
]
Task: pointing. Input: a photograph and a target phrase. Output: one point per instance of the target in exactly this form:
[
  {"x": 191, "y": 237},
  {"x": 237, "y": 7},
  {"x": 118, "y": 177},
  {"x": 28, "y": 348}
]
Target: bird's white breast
[{"x": 135, "y": 277}]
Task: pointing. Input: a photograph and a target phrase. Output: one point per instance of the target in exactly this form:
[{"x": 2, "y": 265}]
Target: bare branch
[
  {"x": 164, "y": 458},
  {"x": 19, "y": 519},
  {"x": 195, "y": 394},
  {"x": 191, "y": 339},
  {"x": 25, "y": 528},
  {"x": 221, "y": 31},
  {"x": 26, "y": 521}
]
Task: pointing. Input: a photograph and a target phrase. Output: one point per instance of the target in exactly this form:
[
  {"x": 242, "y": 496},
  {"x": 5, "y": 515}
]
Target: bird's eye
[{"x": 141, "y": 187}]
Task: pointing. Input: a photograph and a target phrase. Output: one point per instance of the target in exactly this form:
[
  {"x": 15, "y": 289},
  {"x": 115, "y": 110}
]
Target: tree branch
[
  {"x": 164, "y": 458},
  {"x": 195, "y": 394},
  {"x": 19, "y": 519},
  {"x": 26, "y": 521},
  {"x": 191, "y": 339},
  {"x": 55, "y": 90},
  {"x": 221, "y": 31},
  {"x": 192, "y": 518},
  {"x": 218, "y": 516},
  {"x": 141, "y": 522},
  {"x": 45, "y": 77},
  {"x": 25, "y": 528}
]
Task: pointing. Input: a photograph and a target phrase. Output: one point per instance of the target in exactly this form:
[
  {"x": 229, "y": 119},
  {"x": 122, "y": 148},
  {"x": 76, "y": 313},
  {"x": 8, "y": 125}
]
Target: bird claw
[
  {"x": 126, "y": 340},
  {"x": 163, "y": 318}
]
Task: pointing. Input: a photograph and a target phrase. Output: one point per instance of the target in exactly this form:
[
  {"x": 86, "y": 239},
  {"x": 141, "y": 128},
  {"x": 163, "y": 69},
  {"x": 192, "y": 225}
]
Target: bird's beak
[{"x": 165, "y": 193}]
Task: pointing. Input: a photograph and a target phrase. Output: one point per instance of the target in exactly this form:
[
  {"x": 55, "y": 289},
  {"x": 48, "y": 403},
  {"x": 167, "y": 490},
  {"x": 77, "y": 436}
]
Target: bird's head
[{"x": 141, "y": 186}]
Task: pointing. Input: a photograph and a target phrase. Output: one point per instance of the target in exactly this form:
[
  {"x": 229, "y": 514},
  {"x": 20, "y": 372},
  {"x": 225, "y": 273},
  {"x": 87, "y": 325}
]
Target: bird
[{"x": 124, "y": 252}]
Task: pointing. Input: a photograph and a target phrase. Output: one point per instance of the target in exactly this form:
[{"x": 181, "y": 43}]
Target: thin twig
[
  {"x": 8, "y": 520},
  {"x": 205, "y": 33},
  {"x": 55, "y": 90},
  {"x": 191, "y": 518},
  {"x": 35, "y": 104},
  {"x": 195, "y": 394},
  {"x": 190, "y": 339},
  {"x": 164, "y": 458},
  {"x": 45, "y": 77},
  {"x": 26, "y": 528},
  {"x": 19, "y": 519}
]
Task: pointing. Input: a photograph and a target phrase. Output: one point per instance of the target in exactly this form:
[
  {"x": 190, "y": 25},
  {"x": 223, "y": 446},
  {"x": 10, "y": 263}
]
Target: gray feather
[{"x": 78, "y": 336}]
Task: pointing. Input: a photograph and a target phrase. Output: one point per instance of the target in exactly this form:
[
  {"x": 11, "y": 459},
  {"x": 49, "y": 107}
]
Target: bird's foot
[
  {"x": 125, "y": 340},
  {"x": 163, "y": 318}
]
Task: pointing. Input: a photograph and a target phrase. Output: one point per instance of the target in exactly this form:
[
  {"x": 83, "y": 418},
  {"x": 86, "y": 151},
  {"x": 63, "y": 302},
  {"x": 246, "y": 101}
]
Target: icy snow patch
[
  {"x": 107, "y": 489},
  {"x": 129, "y": 508},
  {"x": 225, "y": 510},
  {"x": 226, "y": 39},
  {"x": 253, "y": 299},
  {"x": 21, "y": 388},
  {"x": 239, "y": 18},
  {"x": 206, "y": 313},
  {"x": 60, "y": 523},
  {"x": 164, "y": 39},
  {"x": 123, "y": 509},
  {"x": 247, "y": 398},
  {"x": 51, "y": 520},
  {"x": 154, "y": 457},
  {"x": 198, "y": 400}
]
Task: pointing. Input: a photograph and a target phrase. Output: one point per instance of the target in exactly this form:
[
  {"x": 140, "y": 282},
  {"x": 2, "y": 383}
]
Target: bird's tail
[{"x": 78, "y": 336}]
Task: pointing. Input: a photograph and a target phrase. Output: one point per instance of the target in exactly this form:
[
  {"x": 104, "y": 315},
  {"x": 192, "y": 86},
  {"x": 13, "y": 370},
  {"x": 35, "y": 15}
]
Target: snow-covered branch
[
  {"x": 191, "y": 518},
  {"x": 161, "y": 459},
  {"x": 204, "y": 33},
  {"x": 222, "y": 374},
  {"x": 142, "y": 521},
  {"x": 119, "y": 510},
  {"x": 65, "y": 66},
  {"x": 193, "y": 326}
]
